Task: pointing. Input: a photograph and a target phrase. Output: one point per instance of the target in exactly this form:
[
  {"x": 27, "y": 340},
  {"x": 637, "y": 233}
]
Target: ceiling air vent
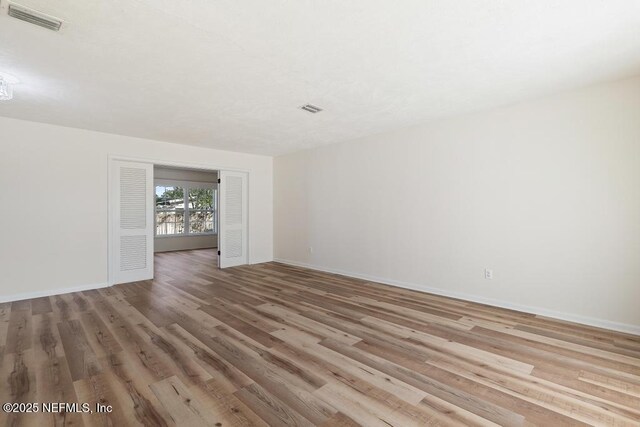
[
  {"x": 311, "y": 108},
  {"x": 37, "y": 18}
]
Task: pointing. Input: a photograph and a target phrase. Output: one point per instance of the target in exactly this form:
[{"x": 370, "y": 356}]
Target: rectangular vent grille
[
  {"x": 33, "y": 17},
  {"x": 133, "y": 252},
  {"x": 311, "y": 108},
  {"x": 233, "y": 249},
  {"x": 133, "y": 198},
  {"x": 233, "y": 200}
]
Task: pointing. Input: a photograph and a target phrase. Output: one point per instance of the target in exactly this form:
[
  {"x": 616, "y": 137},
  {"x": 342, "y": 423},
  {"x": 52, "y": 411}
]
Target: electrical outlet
[{"x": 488, "y": 274}]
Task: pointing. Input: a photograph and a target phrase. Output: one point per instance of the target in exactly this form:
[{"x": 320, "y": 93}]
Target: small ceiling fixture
[
  {"x": 34, "y": 17},
  {"x": 6, "y": 91},
  {"x": 311, "y": 108}
]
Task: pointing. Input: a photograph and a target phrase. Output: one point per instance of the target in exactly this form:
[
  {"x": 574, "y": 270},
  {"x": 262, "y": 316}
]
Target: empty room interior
[{"x": 320, "y": 213}]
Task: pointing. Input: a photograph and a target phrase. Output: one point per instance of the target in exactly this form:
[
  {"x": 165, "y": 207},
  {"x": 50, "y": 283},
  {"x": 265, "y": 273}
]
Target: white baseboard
[
  {"x": 590, "y": 321},
  {"x": 48, "y": 293}
]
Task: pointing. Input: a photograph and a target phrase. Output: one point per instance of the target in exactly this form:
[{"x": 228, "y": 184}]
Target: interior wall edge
[{"x": 576, "y": 318}]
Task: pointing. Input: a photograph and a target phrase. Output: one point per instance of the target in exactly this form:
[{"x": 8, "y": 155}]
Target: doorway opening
[
  {"x": 186, "y": 209},
  {"x": 156, "y": 207}
]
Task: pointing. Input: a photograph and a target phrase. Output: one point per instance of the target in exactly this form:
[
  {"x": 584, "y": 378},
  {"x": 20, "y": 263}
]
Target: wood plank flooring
[{"x": 276, "y": 345}]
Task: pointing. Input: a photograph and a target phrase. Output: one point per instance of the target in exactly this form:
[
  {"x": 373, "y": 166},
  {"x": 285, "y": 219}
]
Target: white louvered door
[
  {"x": 132, "y": 210},
  {"x": 232, "y": 230}
]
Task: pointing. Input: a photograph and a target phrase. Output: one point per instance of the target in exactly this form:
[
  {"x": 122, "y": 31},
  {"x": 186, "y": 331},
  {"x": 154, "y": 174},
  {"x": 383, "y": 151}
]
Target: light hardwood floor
[{"x": 276, "y": 345}]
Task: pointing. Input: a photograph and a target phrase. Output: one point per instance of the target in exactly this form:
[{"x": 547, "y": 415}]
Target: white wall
[
  {"x": 547, "y": 194},
  {"x": 54, "y": 218},
  {"x": 181, "y": 174},
  {"x": 185, "y": 242}
]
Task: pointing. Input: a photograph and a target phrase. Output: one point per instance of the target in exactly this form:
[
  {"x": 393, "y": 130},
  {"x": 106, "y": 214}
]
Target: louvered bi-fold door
[
  {"x": 232, "y": 233},
  {"x": 132, "y": 210}
]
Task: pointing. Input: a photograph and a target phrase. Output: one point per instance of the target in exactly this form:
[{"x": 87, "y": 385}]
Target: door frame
[{"x": 171, "y": 163}]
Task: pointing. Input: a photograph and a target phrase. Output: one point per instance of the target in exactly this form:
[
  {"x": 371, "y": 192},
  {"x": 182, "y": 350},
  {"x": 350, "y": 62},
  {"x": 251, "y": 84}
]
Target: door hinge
[
  {"x": 218, "y": 180},
  {"x": 218, "y": 253}
]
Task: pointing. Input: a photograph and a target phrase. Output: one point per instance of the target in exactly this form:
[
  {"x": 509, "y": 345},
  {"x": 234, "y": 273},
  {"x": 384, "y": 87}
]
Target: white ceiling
[{"x": 231, "y": 74}]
